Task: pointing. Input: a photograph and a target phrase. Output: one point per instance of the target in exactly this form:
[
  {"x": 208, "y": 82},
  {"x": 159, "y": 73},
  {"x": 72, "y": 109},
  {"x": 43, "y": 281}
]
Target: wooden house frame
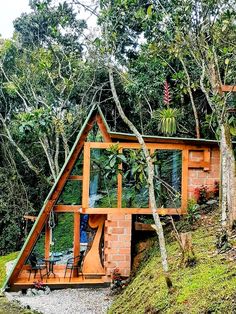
[{"x": 116, "y": 222}]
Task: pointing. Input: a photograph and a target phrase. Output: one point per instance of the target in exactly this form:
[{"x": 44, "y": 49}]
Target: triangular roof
[{"x": 95, "y": 115}]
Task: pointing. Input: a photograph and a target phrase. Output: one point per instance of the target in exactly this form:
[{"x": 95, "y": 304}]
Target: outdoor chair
[
  {"x": 36, "y": 265},
  {"x": 75, "y": 263}
]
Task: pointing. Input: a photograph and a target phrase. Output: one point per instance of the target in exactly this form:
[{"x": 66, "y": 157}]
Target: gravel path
[{"x": 70, "y": 301}]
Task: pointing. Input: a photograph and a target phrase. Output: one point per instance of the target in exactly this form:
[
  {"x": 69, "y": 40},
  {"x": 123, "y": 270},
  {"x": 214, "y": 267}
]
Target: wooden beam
[
  {"x": 86, "y": 172},
  {"x": 145, "y": 211},
  {"x": 67, "y": 208},
  {"x": 228, "y": 88},
  {"x": 184, "y": 185},
  {"x": 103, "y": 129},
  {"x": 32, "y": 218},
  {"x": 76, "y": 234},
  {"x": 47, "y": 240},
  {"x": 137, "y": 145},
  {"x": 117, "y": 210},
  {"x": 75, "y": 178},
  {"x": 199, "y": 164},
  {"x": 149, "y": 146},
  {"x": 119, "y": 185}
]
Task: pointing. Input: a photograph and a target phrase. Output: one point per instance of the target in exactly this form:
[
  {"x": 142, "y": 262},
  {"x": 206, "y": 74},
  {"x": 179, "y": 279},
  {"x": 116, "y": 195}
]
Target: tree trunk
[
  {"x": 152, "y": 199},
  {"x": 228, "y": 198},
  {"x": 195, "y": 113},
  {"x": 188, "y": 256},
  {"x": 46, "y": 148}
]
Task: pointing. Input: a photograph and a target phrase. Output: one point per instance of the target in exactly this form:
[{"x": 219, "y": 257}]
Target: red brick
[
  {"x": 118, "y": 231},
  {"x": 124, "y": 237},
  {"x": 124, "y": 223},
  {"x": 116, "y": 217},
  {"x": 197, "y": 182},
  {"x": 121, "y": 244},
  {"x": 118, "y": 257},
  {"x": 113, "y": 237},
  {"x": 111, "y": 223},
  {"x": 124, "y": 251},
  {"x": 193, "y": 173},
  {"x": 127, "y": 231},
  {"x": 123, "y": 264},
  {"x": 112, "y": 250},
  {"x": 128, "y": 217}
]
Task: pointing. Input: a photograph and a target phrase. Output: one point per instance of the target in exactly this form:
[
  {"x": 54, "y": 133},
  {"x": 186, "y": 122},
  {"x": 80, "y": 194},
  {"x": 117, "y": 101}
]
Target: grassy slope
[
  {"x": 3, "y": 261},
  {"x": 207, "y": 288}
]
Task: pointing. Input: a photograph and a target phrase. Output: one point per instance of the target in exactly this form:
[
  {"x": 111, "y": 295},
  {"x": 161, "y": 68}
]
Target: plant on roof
[{"x": 168, "y": 117}]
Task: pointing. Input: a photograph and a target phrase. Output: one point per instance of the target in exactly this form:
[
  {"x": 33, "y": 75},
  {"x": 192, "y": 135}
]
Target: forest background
[{"x": 54, "y": 70}]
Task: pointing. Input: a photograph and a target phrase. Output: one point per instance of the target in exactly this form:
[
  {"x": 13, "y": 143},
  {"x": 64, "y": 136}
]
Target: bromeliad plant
[
  {"x": 167, "y": 117},
  {"x": 168, "y": 120}
]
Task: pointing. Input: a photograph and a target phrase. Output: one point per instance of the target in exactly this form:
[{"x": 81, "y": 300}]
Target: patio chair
[
  {"x": 36, "y": 265},
  {"x": 75, "y": 263}
]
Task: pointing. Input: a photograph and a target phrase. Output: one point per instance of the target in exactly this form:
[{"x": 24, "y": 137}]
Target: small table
[{"x": 51, "y": 262}]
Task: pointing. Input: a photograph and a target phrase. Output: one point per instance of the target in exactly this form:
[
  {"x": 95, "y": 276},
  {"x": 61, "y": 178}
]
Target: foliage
[
  {"x": 13, "y": 205},
  {"x": 167, "y": 119},
  {"x": 71, "y": 194},
  {"x": 201, "y": 194},
  {"x": 63, "y": 233},
  {"x": 193, "y": 211}
]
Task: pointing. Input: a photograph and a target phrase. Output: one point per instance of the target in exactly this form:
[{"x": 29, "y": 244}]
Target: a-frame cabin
[{"x": 89, "y": 212}]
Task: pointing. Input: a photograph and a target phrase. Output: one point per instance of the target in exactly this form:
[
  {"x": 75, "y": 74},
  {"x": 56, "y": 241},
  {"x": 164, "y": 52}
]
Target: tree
[
  {"x": 46, "y": 107},
  {"x": 195, "y": 40}
]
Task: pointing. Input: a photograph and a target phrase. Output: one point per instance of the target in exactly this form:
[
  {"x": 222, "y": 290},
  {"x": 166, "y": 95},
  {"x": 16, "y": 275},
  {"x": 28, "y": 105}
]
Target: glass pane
[
  {"x": 168, "y": 176},
  {"x": 38, "y": 251},
  {"x": 95, "y": 135},
  {"x": 103, "y": 188},
  {"x": 62, "y": 237},
  {"x": 78, "y": 167},
  {"x": 72, "y": 193},
  {"x": 84, "y": 232},
  {"x": 134, "y": 185}
]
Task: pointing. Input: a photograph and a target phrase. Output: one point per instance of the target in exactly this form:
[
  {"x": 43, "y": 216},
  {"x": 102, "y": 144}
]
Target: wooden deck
[{"x": 58, "y": 282}]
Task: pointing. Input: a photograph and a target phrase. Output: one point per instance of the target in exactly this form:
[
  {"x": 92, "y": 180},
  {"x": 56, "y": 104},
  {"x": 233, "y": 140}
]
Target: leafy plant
[
  {"x": 201, "y": 194},
  {"x": 167, "y": 120},
  {"x": 193, "y": 211}
]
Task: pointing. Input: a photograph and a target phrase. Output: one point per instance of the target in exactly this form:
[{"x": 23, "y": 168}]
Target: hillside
[{"x": 209, "y": 287}]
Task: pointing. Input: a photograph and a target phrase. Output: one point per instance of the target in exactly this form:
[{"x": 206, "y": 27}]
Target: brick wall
[
  {"x": 117, "y": 239},
  {"x": 198, "y": 177}
]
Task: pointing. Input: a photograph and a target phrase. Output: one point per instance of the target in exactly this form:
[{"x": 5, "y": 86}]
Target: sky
[{"x": 9, "y": 11}]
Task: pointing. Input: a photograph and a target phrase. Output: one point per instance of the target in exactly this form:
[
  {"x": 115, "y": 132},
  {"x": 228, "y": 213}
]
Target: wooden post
[
  {"x": 76, "y": 236},
  {"x": 184, "y": 191},
  {"x": 86, "y": 176},
  {"x": 47, "y": 239},
  {"x": 119, "y": 185}
]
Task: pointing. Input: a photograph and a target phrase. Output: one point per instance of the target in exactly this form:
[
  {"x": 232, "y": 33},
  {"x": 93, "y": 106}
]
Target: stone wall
[{"x": 198, "y": 177}]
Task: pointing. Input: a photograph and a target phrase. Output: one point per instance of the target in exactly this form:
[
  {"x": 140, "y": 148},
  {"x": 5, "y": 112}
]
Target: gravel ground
[{"x": 70, "y": 301}]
